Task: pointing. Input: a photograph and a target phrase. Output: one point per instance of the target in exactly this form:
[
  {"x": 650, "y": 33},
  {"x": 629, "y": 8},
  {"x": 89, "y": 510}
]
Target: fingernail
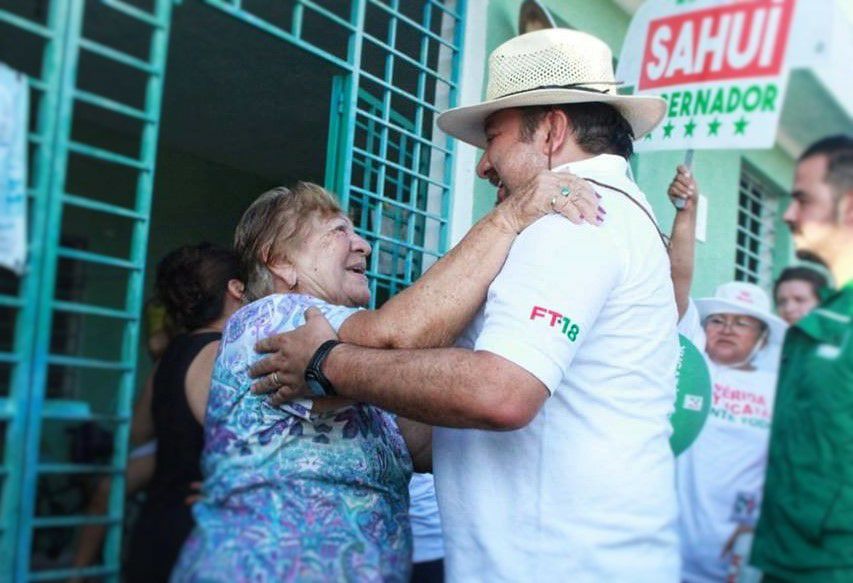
[
  {"x": 602, "y": 210},
  {"x": 582, "y": 217},
  {"x": 599, "y": 219},
  {"x": 598, "y": 195}
]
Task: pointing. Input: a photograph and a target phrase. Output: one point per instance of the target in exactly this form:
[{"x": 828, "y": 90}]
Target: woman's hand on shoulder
[{"x": 552, "y": 192}]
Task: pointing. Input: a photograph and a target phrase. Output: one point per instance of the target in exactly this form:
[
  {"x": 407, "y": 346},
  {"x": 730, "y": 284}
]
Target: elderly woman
[
  {"x": 720, "y": 478},
  {"x": 318, "y": 490}
]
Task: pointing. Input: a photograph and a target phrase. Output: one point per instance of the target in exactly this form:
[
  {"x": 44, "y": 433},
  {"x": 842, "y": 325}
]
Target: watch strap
[{"x": 315, "y": 367}]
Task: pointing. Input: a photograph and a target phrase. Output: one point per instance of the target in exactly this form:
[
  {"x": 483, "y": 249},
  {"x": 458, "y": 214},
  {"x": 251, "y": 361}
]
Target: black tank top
[
  {"x": 179, "y": 436},
  {"x": 165, "y": 520}
]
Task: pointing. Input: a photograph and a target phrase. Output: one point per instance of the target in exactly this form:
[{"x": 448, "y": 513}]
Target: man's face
[
  {"x": 813, "y": 213},
  {"x": 508, "y": 162}
]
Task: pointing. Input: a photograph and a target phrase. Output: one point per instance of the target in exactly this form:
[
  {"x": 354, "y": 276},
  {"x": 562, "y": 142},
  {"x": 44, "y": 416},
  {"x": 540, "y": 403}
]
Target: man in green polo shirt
[{"x": 805, "y": 533}]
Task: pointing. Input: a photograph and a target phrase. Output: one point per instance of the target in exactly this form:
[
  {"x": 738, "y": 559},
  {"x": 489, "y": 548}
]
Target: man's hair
[
  {"x": 599, "y": 128},
  {"x": 838, "y": 150},
  {"x": 273, "y": 227}
]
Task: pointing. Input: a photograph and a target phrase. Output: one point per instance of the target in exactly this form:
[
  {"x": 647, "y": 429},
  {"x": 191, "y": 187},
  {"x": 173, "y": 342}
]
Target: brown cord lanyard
[{"x": 663, "y": 237}]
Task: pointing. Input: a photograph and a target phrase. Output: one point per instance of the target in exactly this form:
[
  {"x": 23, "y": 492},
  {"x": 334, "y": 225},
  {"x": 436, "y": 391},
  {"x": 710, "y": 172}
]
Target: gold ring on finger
[{"x": 553, "y": 202}]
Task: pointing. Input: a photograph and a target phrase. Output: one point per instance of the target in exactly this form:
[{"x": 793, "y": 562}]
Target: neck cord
[{"x": 664, "y": 239}]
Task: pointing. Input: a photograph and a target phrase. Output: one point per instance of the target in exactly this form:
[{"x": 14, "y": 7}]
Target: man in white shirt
[{"x": 564, "y": 381}]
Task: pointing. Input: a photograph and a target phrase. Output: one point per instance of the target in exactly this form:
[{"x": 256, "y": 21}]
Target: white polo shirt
[{"x": 586, "y": 491}]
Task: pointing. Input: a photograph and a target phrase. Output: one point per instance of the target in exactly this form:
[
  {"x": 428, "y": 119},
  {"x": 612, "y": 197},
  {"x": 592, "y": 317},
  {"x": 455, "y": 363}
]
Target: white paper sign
[
  {"x": 720, "y": 65},
  {"x": 14, "y": 108}
]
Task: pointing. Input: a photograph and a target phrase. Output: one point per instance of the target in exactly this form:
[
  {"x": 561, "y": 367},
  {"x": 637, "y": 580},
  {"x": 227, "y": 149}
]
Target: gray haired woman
[{"x": 317, "y": 490}]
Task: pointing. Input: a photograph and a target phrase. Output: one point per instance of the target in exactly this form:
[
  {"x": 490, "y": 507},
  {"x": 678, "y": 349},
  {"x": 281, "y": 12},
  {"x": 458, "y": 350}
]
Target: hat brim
[
  {"x": 776, "y": 325},
  {"x": 467, "y": 123}
]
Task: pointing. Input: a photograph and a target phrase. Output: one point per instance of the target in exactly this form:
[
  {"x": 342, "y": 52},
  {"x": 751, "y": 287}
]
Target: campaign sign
[
  {"x": 719, "y": 64},
  {"x": 692, "y": 399}
]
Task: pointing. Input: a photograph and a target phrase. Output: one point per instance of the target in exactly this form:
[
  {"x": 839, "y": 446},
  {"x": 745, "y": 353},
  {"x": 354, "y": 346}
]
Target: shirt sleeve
[
  {"x": 690, "y": 326},
  {"x": 334, "y": 314},
  {"x": 545, "y": 300}
]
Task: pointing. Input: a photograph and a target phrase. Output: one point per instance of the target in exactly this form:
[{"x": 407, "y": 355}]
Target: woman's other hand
[
  {"x": 283, "y": 372},
  {"x": 683, "y": 190},
  {"x": 552, "y": 192}
]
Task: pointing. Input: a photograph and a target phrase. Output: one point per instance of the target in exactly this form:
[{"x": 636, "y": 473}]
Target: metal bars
[
  {"x": 19, "y": 294},
  {"x": 756, "y": 237},
  {"x": 46, "y": 404},
  {"x": 398, "y": 192},
  {"x": 398, "y": 63}
]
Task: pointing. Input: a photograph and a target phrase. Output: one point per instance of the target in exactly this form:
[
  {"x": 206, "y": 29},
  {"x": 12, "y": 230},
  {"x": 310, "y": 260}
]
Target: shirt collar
[{"x": 601, "y": 164}]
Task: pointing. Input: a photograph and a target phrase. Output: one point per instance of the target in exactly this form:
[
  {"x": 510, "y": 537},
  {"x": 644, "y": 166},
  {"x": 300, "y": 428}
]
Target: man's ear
[
  {"x": 558, "y": 129},
  {"x": 286, "y": 272}
]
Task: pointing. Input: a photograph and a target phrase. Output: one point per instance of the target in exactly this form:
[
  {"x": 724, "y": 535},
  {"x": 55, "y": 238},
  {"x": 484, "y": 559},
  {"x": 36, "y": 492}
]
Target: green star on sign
[
  {"x": 667, "y": 129},
  {"x": 740, "y": 126},
  {"x": 714, "y": 127},
  {"x": 688, "y": 128}
]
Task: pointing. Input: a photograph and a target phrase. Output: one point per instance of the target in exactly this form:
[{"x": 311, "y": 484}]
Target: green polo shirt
[{"x": 806, "y": 527}]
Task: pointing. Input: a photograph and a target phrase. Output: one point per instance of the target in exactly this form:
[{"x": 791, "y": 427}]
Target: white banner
[
  {"x": 720, "y": 64},
  {"x": 14, "y": 112}
]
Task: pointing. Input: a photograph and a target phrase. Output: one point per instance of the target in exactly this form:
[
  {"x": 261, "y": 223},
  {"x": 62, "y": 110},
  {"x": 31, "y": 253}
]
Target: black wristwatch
[{"x": 317, "y": 382}]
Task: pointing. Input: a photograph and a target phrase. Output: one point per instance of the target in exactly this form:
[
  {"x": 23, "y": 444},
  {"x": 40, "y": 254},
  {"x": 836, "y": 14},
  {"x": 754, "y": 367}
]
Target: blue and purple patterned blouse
[{"x": 290, "y": 494}]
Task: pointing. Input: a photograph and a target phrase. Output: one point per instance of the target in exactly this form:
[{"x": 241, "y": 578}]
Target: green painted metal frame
[
  {"x": 374, "y": 115},
  {"x": 355, "y": 110},
  {"x": 27, "y": 408},
  {"x": 47, "y": 250},
  {"x": 13, "y": 409},
  {"x": 753, "y": 244}
]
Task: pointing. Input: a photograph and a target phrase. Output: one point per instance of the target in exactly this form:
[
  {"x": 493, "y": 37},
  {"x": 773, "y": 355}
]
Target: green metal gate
[
  {"x": 17, "y": 308},
  {"x": 98, "y": 374},
  {"x": 398, "y": 62}
]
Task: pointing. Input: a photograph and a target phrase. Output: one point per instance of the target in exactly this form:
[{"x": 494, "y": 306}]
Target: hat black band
[{"x": 578, "y": 86}]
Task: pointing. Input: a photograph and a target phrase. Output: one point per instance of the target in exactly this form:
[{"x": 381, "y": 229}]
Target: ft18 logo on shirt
[{"x": 557, "y": 321}]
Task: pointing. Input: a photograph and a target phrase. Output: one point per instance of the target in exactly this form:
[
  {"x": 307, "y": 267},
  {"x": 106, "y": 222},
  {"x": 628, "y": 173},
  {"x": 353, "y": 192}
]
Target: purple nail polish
[
  {"x": 602, "y": 210},
  {"x": 582, "y": 217},
  {"x": 598, "y": 195}
]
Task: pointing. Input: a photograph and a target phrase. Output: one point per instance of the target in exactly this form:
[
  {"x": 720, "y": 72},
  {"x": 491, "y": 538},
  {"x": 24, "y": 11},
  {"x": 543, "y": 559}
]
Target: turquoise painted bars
[
  {"x": 398, "y": 65},
  {"x": 31, "y": 403}
]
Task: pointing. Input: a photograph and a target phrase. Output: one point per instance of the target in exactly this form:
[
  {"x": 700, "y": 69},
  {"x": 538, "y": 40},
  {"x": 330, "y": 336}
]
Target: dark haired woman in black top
[{"x": 200, "y": 287}]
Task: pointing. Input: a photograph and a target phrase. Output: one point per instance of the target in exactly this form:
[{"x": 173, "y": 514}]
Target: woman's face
[
  {"x": 794, "y": 299},
  {"x": 331, "y": 262},
  {"x": 731, "y": 338}
]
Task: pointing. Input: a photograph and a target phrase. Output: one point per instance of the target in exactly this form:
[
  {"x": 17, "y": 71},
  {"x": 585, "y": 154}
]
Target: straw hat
[
  {"x": 549, "y": 67},
  {"x": 737, "y": 297}
]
